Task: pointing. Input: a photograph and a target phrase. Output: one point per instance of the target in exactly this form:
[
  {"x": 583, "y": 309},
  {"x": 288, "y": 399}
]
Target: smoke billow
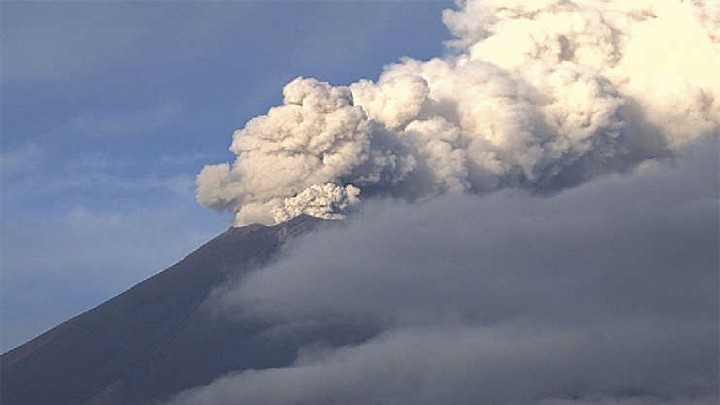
[{"x": 538, "y": 95}]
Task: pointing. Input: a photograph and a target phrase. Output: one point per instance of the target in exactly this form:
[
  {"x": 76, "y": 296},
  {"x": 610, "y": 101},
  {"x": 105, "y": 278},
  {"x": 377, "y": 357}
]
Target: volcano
[{"x": 161, "y": 337}]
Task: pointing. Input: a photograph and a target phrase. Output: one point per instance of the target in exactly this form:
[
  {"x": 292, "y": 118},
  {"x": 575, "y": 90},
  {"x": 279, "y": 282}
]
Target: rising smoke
[{"x": 538, "y": 95}]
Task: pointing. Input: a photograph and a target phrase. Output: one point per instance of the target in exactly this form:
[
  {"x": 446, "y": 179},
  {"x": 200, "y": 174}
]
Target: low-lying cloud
[{"x": 602, "y": 294}]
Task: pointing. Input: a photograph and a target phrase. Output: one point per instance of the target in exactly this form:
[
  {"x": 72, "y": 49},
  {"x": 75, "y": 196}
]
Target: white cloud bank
[{"x": 539, "y": 95}]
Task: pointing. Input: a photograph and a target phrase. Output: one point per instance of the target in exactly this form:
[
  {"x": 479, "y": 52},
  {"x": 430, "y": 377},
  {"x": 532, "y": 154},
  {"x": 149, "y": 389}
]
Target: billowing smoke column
[{"x": 538, "y": 94}]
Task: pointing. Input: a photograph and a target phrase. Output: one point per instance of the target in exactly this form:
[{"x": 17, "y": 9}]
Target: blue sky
[{"x": 110, "y": 109}]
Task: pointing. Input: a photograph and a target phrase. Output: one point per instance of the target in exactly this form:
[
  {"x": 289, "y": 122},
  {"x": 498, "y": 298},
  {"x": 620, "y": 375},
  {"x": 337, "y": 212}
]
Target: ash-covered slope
[{"x": 158, "y": 338}]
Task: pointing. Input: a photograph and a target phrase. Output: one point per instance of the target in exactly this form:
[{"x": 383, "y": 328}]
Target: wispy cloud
[
  {"x": 136, "y": 122},
  {"x": 21, "y": 159},
  {"x": 43, "y": 41},
  {"x": 183, "y": 158}
]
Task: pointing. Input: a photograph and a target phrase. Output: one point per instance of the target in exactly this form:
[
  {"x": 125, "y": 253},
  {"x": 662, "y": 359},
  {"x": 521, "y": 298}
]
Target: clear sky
[{"x": 109, "y": 110}]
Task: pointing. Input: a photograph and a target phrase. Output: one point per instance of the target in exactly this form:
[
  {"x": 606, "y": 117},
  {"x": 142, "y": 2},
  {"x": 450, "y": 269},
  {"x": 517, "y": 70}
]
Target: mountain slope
[{"x": 158, "y": 338}]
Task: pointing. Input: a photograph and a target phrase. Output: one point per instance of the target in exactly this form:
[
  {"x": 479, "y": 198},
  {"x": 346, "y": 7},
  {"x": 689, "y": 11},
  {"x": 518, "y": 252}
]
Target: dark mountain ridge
[{"x": 157, "y": 339}]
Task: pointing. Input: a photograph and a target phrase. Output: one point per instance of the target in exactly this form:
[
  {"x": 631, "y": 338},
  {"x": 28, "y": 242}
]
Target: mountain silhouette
[{"x": 161, "y": 336}]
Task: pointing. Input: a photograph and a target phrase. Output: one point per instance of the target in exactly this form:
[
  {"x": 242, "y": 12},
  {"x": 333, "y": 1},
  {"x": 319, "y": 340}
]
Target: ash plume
[{"x": 538, "y": 95}]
